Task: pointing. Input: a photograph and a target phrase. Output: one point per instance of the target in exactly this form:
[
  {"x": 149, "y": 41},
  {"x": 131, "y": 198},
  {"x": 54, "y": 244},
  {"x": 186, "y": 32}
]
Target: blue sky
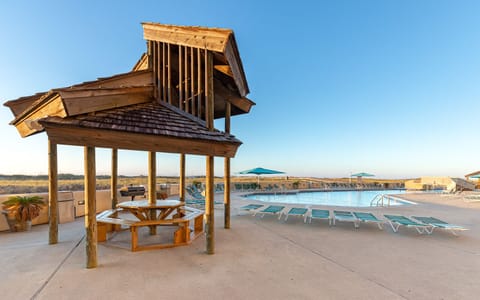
[{"x": 386, "y": 87}]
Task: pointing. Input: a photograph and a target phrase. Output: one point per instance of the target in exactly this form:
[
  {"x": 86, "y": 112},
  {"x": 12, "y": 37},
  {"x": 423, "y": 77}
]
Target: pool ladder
[{"x": 379, "y": 200}]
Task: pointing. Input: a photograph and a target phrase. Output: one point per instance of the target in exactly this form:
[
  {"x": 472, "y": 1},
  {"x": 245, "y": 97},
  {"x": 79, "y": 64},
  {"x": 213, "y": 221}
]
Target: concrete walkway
[{"x": 259, "y": 258}]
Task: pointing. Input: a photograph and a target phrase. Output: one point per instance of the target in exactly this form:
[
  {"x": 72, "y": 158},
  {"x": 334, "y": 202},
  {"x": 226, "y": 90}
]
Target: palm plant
[{"x": 21, "y": 210}]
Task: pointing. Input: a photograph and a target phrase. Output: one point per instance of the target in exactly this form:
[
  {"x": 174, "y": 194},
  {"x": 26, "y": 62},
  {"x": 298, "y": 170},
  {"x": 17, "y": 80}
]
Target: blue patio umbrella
[
  {"x": 261, "y": 171},
  {"x": 360, "y": 175}
]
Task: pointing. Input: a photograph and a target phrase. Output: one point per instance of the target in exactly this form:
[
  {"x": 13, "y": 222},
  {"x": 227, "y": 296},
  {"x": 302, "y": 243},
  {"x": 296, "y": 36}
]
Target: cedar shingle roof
[{"x": 147, "y": 118}]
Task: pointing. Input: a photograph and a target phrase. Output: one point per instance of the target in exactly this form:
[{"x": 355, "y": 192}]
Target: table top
[{"x": 144, "y": 204}]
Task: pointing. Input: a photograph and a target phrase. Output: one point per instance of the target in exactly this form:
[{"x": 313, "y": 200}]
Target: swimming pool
[{"x": 335, "y": 198}]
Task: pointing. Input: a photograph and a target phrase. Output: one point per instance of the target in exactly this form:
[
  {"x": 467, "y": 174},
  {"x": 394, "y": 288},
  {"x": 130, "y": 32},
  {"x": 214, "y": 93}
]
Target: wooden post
[
  {"x": 209, "y": 209},
  {"x": 187, "y": 104},
  {"x": 226, "y": 175},
  {"x": 90, "y": 207},
  {"x": 169, "y": 81},
  {"x": 150, "y": 56},
  {"x": 199, "y": 84},
  {"x": 180, "y": 77},
  {"x": 160, "y": 70},
  {"x": 152, "y": 185},
  {"x": 209, "y": 195},
  {"x": 192, "y": 81},
  {"x": 164, "y": 84},
  {"x": 154, "y": 59},
  {"x": 114, "y": 178},
  {"x": 182, "y": 178},
  {"x": 209, "y": 113},
  {"x": 52, "y": 193}
]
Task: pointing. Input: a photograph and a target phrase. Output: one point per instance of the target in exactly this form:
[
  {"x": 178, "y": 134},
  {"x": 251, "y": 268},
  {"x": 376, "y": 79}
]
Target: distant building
[{"x": 439, "y": 183}]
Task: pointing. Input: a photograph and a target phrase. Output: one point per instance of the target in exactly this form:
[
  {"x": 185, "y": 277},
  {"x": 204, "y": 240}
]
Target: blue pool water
[{"x": 335, "y": 198}]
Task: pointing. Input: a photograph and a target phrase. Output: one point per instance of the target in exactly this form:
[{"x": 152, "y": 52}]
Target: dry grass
[{"x": 41, "y": 186}]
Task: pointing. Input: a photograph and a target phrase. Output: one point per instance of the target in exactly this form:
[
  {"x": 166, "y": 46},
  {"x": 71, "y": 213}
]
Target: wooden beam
[
  {"x": 164, "y": 80},
  {"x": 152, "y": 177},
  {"x": 182, "y": 178},
  {"x": 91, "y": 100},
  {"x": 169, "y": 55},
  {"x": 187, "y": 105},
  {"x": 19, "y": 105},
  {"x": 130, "y": 79},
  {"x": 52, "y": 193},
  {"x": 209, "y": 93},
  {"x": 152, "y": 186},
  {"x": 90, "y": 207},
  {"x": 228, "y": 113},
  {"x": 180, "y": 78},
  {"x": 214, "y": 39},
  {"x": 142, "y": 63},
  {"x": 52, "y": 107},
  {"x": 155, "y": 69},
  {"x": 62, "y": 134},
  {"x": 225, "y": 69},
  {"x": 236, "y": 67},
  {"x": 159, "y": 71},
  {"x": 192, "y": 82},
  {"x": 226, "y": 175},
  {"x": 209, "y": 209},
  {"x": 199, "y": 84},
  {"x": 209, "y": 196},
  {"x": 114, "y": 178},
  {"x": 150, "y": 57}
]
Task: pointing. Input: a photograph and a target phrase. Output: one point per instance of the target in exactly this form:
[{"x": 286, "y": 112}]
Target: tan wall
[
  {"x": 436, "y": 181},
  {"x": 72, "y": 204},
  {"x": 428, "y": 181}
]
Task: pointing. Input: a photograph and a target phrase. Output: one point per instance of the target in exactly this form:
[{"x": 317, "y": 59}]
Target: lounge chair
[
  {"x": 251, "y": 207},
  {"x": 368, "y": 218},
  {"x": 344, "y": 216},
  {"x": 195, "y": 193},
  {"x": 296, "y": 211},
  {"x": 320, "y": 214},
  {"x": 472, "y": 198},
  {"x": 272, "y": 209},
  {"x": 436, "y": 223},
  {"x": 397, "y": 221}
]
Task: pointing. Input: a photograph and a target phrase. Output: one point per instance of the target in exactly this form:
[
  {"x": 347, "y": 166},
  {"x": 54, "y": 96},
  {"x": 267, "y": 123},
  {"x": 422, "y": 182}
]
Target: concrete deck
[{"x": 259, "y": 258}]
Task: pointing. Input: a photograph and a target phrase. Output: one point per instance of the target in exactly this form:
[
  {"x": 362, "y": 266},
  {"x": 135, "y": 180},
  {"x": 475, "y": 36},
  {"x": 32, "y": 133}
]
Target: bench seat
[{"x": 190, "y": 226}]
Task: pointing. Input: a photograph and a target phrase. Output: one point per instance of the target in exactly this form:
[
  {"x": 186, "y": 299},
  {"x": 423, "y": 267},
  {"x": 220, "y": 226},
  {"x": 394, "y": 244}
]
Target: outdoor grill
[{"x": 132, "y": 191}]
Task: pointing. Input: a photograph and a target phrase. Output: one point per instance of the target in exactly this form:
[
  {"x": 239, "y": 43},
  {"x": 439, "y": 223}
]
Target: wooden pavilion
[{"x": 188, "y": 77}]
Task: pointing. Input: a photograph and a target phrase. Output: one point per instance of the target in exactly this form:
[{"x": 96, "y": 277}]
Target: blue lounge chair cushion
[
  {"x": 437, "y": 223},
  {"x": 251, "y": 207},
  {"x": 273, "y": 209},
  {"x": 320, "y": 214},
  {"x": 366, "y": 217},
  {"x": 297, "y": 211},
  {"x": 403, "y": 220}
]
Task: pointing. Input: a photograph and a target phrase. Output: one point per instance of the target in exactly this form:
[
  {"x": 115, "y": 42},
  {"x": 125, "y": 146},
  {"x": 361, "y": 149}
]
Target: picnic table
[
  {"x": 146, "y": 211},
  {"x": 161, "y": 213}
]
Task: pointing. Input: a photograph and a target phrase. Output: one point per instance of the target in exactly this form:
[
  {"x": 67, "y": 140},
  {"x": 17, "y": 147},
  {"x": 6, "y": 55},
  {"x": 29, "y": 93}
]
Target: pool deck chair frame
[
  {"x": 397, "y": 221},
  {"x": 251, "y": 207},
  {"x": 344, "y": 216},
  {"x": 367, "y": 217},
  {"x": 436, "y": 223},
  {"x": 321, "y": 214},
  {"x": 272, "y": 209},
  {"x": 297, "y": 211}
]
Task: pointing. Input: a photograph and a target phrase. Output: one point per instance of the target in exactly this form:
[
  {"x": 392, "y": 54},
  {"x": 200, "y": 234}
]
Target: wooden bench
[
  {"x": 109, "y": 217},
  {"x": 189, "y": 222},
  {"x": 190, "y": 226}
]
